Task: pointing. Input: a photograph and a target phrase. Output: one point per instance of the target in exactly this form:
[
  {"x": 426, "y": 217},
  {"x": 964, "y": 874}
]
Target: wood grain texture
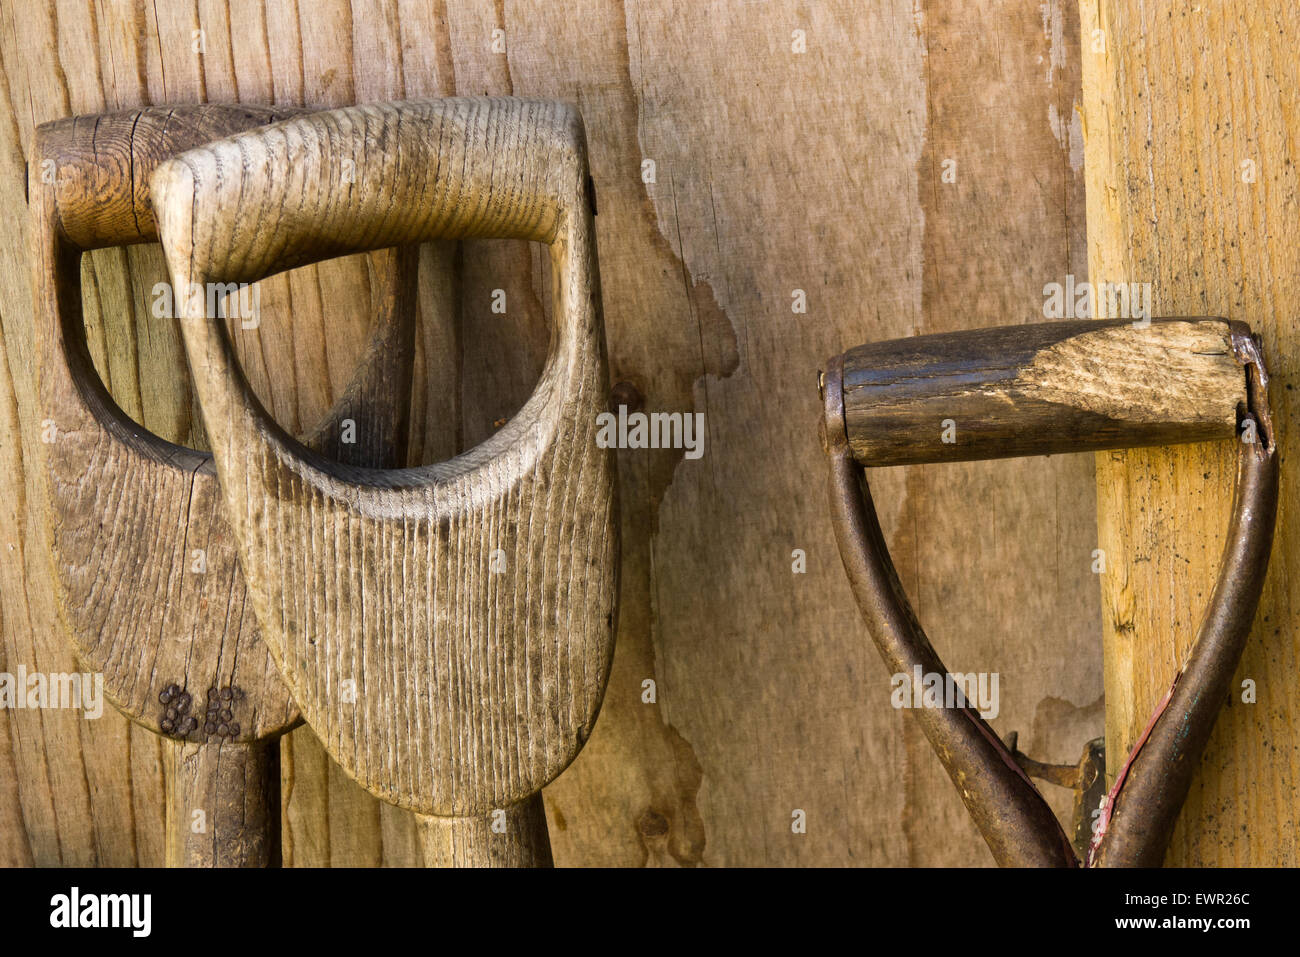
[
  {"x": 506, "y": 837},
  {"x": 97, "y": 168},
  {"x": 1192, "y": 187},
  {"x": 149, "y": 587},
  {"x": 1055, "y": 387},
  {"x": 447, "y": 630},
  {"x": 773, "y": 171},
  {"x": 223, "y": 807}
]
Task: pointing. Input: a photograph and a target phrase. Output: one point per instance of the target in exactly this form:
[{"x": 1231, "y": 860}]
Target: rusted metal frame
[{"x": 1142, "y": 808}]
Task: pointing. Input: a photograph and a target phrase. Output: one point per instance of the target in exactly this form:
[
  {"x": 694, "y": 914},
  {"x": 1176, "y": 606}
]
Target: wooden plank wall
[
  {"x": 775, "y": 169},
  {"x": 1192, "y": 187}
]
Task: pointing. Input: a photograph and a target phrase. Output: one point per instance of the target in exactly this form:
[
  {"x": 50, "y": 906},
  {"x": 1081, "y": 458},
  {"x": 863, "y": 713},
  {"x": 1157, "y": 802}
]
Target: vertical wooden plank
[
  {"x": 82, "y": 784},
  {"x": 1001, "y": 101},
  {"x": 1192, "y": 188}
]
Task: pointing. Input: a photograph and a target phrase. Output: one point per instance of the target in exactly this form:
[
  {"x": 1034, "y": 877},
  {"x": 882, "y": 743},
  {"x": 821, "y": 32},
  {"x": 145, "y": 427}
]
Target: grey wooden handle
[
  {"x": 149, "y": 587},
  {"x": 223, "y": 806},
  {"x": 447, "y": 630},
  {"x": 1061, "y": 387},
  {"x": 507, "y": 837}
]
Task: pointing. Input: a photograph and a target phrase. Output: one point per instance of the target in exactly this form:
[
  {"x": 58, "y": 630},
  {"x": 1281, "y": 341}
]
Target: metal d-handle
[{"x": 1042, "y": 389}]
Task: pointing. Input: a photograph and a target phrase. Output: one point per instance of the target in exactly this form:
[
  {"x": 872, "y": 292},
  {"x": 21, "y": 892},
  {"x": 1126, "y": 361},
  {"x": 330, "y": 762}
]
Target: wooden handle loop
[
  {"x": 1143, "y": 805},
  {"x": 447, "y": 630},
  {"x": 149, "y": 586},
  {"x": 128, "y": 509}
]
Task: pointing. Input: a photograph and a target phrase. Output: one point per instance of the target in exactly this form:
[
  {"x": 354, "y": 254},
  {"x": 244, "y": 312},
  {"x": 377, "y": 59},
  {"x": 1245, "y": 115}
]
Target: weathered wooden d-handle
[
  {"x": 1039, "y": 389},
  {"x": 447, "y": 630},
  {"x": 150, "y": 590}
]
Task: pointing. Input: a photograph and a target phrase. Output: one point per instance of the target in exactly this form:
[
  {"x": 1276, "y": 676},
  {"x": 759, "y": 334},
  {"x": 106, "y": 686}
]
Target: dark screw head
[
  {"x": 212, "y": 693},
  {"x": 168, "y": 726},
  {"x": 226, "y": 694},
  {"x": 165, "y": 697},
  {"x": 225, "y": 714},
  {"x": 223, "y": 728},
  {"x": 210, "y": 728},
  {"x": 234, "y": 727},
  {"x": 171, "y": 713},
  {"x": 183, "y": 702}
]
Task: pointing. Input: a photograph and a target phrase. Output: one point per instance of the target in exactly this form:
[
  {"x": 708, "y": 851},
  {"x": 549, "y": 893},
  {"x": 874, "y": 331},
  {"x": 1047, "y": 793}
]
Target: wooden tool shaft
[
  {"x": 515, "y": 836},
  {"x": 1042, "y": 389},
  {"x": 223, "y": 808}
]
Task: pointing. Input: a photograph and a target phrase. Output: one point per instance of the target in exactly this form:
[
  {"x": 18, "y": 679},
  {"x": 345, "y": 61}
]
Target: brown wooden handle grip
[
  {"x": 100, "y": 166},
  {"x": 1042, "y": 389},
  {"x": 362, "y": 178}
]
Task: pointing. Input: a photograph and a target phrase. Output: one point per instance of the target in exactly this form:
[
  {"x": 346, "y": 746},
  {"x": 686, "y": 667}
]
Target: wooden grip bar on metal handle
[
  {"x": 488, "y": 581},
  {"x": 1040, "y": 389},
  {"x": 128, "y": 510}
]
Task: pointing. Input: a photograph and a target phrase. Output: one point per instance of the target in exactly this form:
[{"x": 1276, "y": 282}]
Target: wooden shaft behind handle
[
  {"x": 100, "y": 166},
  {"x": 223, "y": 806},
  {"x": 508, "y": 837},
  {"x": 1042, "y": 389},
  {"x": 365, "y": 177}
]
